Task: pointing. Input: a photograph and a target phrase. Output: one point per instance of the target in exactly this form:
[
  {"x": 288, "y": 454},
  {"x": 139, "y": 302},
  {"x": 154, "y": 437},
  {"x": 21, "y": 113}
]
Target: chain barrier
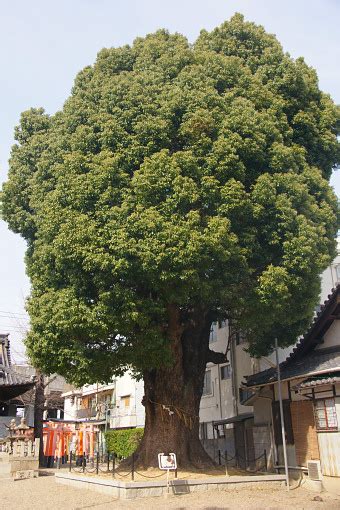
[
  {"x": 147, "y": 476},
  {"x": 109, "y": 464},
  {"x": 238, "y": 457}
]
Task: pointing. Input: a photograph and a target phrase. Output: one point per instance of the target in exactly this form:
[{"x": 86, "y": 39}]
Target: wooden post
[
  {"x": 113, "y": 464},
  {"x": 226, "y": 462}
]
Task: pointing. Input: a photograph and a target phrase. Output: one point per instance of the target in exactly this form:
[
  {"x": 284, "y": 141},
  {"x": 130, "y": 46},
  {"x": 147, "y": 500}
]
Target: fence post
[
  {"x": 219, "y": 457},
  {"x": 97, "y": 463},
  {"x": 265, "y": 460},
  {"x": 133, "y": 467},
  {"x": 113, "y": 464},
  {"x": 226, "y": 462},
  {"x": 70, "y": 460}
]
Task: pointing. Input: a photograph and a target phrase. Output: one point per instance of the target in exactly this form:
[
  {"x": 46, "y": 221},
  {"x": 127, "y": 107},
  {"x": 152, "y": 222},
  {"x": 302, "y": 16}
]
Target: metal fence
[{"x": 107, "y": 463}]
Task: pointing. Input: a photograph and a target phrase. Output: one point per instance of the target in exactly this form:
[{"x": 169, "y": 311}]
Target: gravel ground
[{"x": 43, "y": 494}]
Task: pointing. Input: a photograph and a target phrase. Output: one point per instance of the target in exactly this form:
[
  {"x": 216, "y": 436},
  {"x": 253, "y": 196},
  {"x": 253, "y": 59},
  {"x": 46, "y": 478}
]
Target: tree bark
[
  {"x": 173, "y": 394},
  {"x": 39, "y": 404}
]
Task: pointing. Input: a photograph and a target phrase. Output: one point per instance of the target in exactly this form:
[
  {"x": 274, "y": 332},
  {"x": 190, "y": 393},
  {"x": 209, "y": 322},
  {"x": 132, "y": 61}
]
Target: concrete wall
[
  {"x": 218, "y": 404},
  {"x": 134, "y": 415},
  {"x": 331, "y": 276},
  {"x": 331, "y": 337}
]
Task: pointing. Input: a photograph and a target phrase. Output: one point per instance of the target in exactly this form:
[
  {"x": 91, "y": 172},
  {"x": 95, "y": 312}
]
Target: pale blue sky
[{"x": 44, "y": 43}]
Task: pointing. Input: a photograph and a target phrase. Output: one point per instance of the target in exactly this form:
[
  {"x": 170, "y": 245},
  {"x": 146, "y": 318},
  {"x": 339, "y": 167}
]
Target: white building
[
  {"x": 115, "y": 405},
  {"x": 225, "y": 422}
]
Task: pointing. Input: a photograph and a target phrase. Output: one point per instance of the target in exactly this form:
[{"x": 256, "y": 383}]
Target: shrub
[{"x": 123, "y": 442}]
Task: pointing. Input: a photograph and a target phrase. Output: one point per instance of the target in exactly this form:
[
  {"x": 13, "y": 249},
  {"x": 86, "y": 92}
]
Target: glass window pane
[{"x": 207, "y": 383}]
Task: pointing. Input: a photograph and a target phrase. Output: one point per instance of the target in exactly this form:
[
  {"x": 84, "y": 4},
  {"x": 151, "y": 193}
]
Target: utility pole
[{"x": 281, "y": 415}]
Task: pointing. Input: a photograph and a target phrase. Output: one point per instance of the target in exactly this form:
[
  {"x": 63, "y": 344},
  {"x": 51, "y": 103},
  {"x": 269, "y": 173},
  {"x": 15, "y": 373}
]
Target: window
[
  {"x": 225, "y": 372},
  {"x": 337, "y": 269},
  {"x": 203, "y": 430},
  {"x": 240, "y": 338},
  {"x": 125, "y": 401},
  {"x": 325, "y": 414},
  {"x": 213, "y": 333},
  {"x": 20, "y": 412},
  {"x": 207, "y": 389},
  {"x": 244, "y": 394}
]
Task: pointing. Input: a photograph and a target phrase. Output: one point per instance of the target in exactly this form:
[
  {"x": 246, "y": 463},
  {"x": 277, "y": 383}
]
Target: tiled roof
[
  {"x": 321, "y": 322},
  {"x": 305, "y": 359},
  {"x": 318, "y": 380},
  {"x": 319, "y": 360},
  {"x": 12, "y": 384}
]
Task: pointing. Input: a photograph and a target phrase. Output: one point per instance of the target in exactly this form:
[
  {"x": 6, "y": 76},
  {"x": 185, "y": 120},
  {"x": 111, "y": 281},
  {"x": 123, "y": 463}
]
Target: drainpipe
[
  {"x": 219, "y": 389},
  {"x": 233, "y": 371}
]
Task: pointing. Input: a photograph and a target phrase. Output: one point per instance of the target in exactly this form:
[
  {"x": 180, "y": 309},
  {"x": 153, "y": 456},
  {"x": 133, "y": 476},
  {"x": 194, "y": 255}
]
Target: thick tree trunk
[{"x": 173, "y": 394}]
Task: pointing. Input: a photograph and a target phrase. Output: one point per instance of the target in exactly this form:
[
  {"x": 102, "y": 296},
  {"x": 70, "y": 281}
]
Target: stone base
[
  {"x": 18, "y": 468},
  {"x": 312, "y": 485},
  {"x": 132, "y": 490}
]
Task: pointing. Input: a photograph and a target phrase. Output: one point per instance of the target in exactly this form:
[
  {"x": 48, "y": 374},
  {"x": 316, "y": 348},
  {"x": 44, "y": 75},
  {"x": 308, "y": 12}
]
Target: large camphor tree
[{"x": 179, "y": 185}]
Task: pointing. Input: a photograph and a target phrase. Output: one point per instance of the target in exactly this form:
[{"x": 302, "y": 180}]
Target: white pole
[{"x": 281, "y": 415}]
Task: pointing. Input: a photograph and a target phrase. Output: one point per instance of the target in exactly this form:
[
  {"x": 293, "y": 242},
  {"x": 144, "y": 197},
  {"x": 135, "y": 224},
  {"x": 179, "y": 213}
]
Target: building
[
  {"x": 226, "y": 419},
  {"x": 114, "y": 405},
  {"x": 12, "y": 386},
  {"x": 226, "y": 410},
  {"x": 311, "y": 395}
]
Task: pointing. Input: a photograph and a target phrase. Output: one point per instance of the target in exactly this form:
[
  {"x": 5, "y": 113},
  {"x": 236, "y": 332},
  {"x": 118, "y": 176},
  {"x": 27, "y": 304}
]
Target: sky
[{"x": 43, "y": 44}]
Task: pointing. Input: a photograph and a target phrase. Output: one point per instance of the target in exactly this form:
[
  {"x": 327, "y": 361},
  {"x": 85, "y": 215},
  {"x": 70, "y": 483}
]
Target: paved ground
[{"x": 44, "y": 494}]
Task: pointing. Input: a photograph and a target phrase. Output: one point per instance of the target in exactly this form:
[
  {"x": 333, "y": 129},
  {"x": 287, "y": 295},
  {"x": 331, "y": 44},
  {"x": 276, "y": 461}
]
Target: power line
[
  {"x": 13, "y": 328},
  {"x": 14, "y": 313},
  {"x": 13, "y": 317}
]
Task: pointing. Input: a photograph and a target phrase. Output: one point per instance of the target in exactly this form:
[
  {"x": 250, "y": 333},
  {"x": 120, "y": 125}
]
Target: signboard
[{"x": 167, "y": 461}]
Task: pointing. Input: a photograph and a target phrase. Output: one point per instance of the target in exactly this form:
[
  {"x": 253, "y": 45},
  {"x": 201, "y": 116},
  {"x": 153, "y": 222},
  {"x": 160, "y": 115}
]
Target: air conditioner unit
[{"x": 314, "y": 470}]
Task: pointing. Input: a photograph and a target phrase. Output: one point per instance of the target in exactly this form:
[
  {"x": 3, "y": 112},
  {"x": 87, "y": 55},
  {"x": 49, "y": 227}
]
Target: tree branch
[{"x": 216, "y": 357}]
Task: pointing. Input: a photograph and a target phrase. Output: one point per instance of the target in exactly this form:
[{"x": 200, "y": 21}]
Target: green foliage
[
  {"x": 174, "y": 174},
  {"x": 123, "y": 442}
]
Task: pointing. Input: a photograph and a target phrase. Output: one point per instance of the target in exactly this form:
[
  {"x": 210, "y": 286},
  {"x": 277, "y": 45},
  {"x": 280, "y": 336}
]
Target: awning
[{"x": 234, "y": 419}]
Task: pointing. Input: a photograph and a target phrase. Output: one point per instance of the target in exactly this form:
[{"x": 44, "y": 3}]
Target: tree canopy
[{"x": 175, "y": 174}]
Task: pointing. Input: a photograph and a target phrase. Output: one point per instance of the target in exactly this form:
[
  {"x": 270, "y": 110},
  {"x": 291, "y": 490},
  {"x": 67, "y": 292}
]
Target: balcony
[
  {"x": 123, "y": 417},
  {"x": 86, "y": 413}
]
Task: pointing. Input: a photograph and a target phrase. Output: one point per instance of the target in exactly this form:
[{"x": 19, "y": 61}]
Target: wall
[
  {"x": 330, "y": 277},
  {"x": 218, "y": 404},
  {"x": 263, "y": 410},
  {"x": 331, "y": 337},
  {"x": 304, "y": 430},
  {"x": 134, "y": 415}
]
